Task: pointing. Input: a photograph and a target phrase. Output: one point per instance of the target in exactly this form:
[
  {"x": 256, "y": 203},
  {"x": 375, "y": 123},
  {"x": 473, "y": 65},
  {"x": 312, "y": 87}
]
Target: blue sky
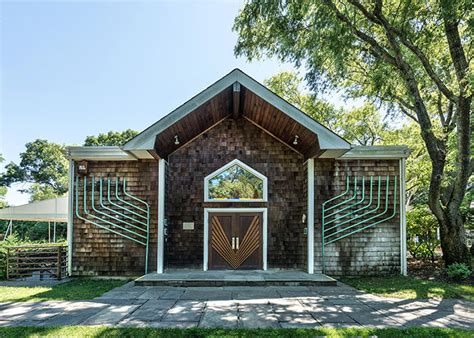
[{"x": 72, "y": 69}]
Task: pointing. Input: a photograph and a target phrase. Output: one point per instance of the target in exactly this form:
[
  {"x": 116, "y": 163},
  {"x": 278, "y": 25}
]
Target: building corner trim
[
  {"x": 403, "y": 225},
  {"x": 310, "y": 218},
  {"x": 70, "y": 218},
  {"x": 161, "y": 216}
]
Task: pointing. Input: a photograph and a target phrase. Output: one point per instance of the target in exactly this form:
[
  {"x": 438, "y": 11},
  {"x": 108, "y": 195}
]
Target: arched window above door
[{"x": 235, "y": 182}]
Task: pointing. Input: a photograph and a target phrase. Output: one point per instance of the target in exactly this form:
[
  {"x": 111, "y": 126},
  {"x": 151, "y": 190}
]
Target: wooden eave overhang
[{"x": 237, "y": 95}]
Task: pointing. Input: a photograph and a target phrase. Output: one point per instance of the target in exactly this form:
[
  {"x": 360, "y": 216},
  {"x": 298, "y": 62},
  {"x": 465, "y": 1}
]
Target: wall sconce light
[
  {"x": 176, "y": 139},
  {"x": 303, "y": 218},
  {"x": 295, "y": 141}
]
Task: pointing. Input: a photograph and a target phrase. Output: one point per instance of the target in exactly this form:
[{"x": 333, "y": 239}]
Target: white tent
[{"x": 52, "y": 210}]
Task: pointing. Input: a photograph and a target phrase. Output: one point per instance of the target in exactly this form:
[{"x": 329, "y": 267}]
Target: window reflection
[{"x": 235, "y": 183}]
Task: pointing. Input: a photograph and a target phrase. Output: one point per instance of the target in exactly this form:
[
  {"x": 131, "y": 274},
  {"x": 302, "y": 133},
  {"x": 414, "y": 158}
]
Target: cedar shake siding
[
  {"x": 373, "y": 251},
  {"x": 229, "y": 140},
  {"x": 99, "y": 252}
]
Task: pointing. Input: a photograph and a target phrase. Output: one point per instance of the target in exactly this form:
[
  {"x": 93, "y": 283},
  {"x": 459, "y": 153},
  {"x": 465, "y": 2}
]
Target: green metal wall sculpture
[
  {"x": 126, "y": 216},
  {"x": 345, "y": 215}
]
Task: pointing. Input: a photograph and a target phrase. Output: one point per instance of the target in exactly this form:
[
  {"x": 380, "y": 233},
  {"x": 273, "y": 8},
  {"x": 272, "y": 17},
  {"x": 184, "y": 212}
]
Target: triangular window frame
[{"x": 245, "y": 167}]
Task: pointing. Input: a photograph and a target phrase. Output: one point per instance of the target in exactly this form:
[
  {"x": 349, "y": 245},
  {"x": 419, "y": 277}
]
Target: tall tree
[
  {"x": 414, "y": 55},
  {"x": 44, "y": 165},
  {"x": 112, "y": 138}
]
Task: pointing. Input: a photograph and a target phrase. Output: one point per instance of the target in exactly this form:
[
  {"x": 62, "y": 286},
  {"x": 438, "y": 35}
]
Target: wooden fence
[{"x": 44, "y": 261}]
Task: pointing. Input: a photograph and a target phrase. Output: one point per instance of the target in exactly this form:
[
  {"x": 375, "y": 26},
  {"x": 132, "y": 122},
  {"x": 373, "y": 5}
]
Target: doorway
[{"x": 235, "y": 239}]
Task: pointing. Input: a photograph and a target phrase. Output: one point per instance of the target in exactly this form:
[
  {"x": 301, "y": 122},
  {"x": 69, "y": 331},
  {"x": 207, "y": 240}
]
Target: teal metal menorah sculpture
[
  {"x": 127, "y": 216},
  {"x": 349, "y": 215}
]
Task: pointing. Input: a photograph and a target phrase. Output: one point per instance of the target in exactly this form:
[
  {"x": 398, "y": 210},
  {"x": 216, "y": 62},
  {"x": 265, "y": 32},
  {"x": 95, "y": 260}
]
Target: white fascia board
[
  {"x": 105, "y": 153},
  {"x": 376, "y": 152},
  {"x": 146, "y": 139}
]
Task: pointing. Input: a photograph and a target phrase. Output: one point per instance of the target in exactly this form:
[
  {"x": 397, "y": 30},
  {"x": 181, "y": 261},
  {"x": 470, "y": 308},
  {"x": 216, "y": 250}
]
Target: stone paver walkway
[{"x": 241, "y": 307}]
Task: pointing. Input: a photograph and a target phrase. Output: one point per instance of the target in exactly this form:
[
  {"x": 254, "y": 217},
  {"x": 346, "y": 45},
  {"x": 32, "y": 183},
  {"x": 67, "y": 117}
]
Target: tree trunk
[{"x": 453, "y": 240}]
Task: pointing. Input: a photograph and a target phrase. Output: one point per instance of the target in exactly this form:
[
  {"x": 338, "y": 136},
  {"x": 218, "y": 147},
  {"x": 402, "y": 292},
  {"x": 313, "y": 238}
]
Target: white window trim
[
  {"x": 224, "y": 168},
  {"x": 233, "y": 210}
]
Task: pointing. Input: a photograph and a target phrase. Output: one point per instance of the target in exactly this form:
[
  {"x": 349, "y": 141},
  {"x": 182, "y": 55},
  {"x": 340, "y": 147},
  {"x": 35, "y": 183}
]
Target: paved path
[{"x": 241, "y": 307}]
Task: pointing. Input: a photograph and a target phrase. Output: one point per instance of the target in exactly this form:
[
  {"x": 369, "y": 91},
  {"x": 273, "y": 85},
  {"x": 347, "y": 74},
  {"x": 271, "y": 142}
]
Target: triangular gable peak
[{"x": 237, "y": 95}]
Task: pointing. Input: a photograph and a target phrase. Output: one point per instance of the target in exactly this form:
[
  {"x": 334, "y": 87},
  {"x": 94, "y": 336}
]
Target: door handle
[
  {"x": 237, "y": 243},
  {"x": 233, "y": 243}
]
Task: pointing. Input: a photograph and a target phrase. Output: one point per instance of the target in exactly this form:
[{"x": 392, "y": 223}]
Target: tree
[
  {"x": 3, "y": 191},
  {"x": 418, "y": 165},
  {"x": 289, "y": 86},
  {"x": 422, "y": 233},
  {"x": 44, "y": 165},
  {"x": 112, "y": 138},
  {"x": 363, "y": 125},
  {"x": 414, "y": 56}
]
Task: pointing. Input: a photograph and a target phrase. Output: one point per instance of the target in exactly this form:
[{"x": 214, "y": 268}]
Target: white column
[
  {"x": 403, "y": 220},
  {"x": 205, "y": 263},
  {"x": 161, "y": 215},
  {"x": 310, "y": 218},
  {"x": 70, "y": 218}
]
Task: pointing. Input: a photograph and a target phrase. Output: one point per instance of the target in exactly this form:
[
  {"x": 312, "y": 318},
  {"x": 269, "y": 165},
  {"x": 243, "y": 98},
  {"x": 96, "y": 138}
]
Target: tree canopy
[
  {"x": 44, "y": 165},
  {"x": 112, "y": 138},
  {"x": 412, "y": 56}
]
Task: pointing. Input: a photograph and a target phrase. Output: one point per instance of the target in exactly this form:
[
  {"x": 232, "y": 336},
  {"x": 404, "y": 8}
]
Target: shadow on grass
[
  {"x": 77, "y": 289},
  {"x": 410, "y": 288},
  {"x": 75, "y": 331}
]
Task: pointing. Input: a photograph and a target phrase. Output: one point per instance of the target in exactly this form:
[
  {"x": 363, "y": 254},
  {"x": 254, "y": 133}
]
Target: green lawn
[
  {"x": 82, "y": 331},
  {"x": 410, "y": 287},
  {"x": 77, "y": 289}
]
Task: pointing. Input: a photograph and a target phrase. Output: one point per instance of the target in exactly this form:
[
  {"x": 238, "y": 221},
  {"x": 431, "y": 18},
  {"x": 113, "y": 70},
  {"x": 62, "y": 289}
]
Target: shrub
[
  {"x": 422, "y": 233},
  {"x": 458, "y": 271}
]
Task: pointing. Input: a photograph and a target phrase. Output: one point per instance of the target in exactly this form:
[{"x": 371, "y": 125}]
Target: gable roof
[{"x": 329, "y": 142}]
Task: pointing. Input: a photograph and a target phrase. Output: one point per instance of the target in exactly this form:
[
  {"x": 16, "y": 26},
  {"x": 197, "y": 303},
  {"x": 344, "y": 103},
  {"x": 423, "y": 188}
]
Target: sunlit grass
[
  {"x": 77, "y": 289},
  {"x": 83, "y": 331},
  {"x": 410, "y": 288}
]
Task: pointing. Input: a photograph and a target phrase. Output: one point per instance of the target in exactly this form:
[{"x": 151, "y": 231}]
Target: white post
[
  {"x": 49, "y": 232},
  {"x": 205, "y": 263},
  {"x": 161, "y": 215},
  {"x": 310, "y": 218},
  {"x": 70, "y": 218},
  {"x": 54, "y": 231},
  {"x": 403, "y": 225}
]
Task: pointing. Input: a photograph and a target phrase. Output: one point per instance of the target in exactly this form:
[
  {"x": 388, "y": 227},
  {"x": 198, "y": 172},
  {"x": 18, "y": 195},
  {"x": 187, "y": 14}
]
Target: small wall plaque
[{"x": 188, "y": 225}]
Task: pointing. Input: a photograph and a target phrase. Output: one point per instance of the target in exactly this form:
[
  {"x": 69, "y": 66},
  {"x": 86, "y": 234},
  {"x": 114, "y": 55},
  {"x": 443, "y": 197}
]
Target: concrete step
[{"x": 185, "y": 278}]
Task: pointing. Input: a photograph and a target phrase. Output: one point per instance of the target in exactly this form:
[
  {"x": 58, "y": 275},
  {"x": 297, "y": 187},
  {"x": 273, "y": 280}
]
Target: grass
[
  {"x": 82, "y": 331},
  {"x": 77, "y": 289},
  {"x": 410, "y": 287}
]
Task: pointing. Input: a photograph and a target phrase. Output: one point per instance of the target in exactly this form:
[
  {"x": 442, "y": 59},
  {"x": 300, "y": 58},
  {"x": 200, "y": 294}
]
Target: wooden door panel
[
  {"x": 249, "y": 233},
  {"x": 235, "y": 241},
  {"x": 220, "y": 253}
]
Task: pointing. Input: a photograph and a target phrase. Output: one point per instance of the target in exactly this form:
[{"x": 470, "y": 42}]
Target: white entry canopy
[{"x": 51, "y": 210}]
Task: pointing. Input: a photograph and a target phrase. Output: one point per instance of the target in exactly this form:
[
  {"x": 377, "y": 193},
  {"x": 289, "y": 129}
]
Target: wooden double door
[{"x": 235, "y": 241}]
